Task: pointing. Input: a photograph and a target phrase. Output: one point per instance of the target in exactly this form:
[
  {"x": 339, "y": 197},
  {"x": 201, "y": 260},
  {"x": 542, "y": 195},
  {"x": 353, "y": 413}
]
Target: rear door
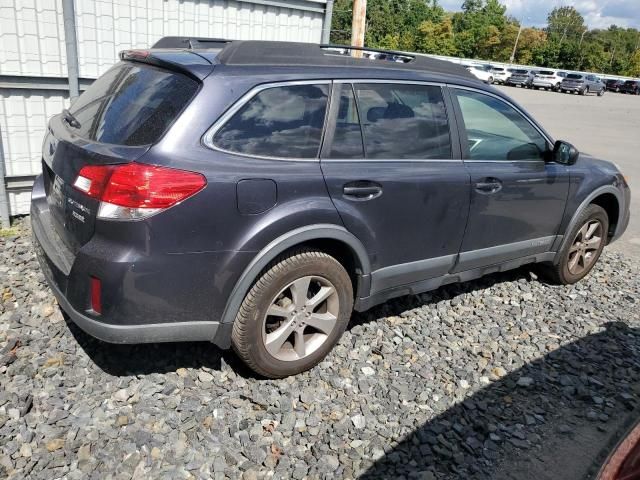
[
  {"x": 114, "y": 121},
  {"x": 392, "y": 166},
  {"x": 517, "y": 197}
]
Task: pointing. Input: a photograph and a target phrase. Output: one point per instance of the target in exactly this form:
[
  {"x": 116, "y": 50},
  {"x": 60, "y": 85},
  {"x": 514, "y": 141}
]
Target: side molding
[
  {"x": 585, "y": 203},
  {"x": 282, "y": 243}
]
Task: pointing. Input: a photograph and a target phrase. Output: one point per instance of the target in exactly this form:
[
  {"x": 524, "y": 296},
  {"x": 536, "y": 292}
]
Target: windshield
[
  {"x": 574, "y": 76},
  {"x": 131, "y": 104},
  {"x": 630, "y": 82}
]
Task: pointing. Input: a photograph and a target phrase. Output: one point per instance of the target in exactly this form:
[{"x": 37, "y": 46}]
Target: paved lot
[{"x": 606, "y": 127}]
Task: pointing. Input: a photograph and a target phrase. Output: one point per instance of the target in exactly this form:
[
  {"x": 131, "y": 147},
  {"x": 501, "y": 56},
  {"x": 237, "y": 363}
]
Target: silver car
[{"x": 550, "y": 79}]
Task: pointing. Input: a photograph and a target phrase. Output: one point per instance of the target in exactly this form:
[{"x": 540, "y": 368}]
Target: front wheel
[
  {"x": 294, "y": 314},
  {"x": 601, "y": 92},
  {"x": 583, "y": 247}
]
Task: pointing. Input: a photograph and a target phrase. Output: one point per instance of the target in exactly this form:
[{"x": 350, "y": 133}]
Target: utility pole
[
  {"x": 580, "y": 45},
  {"x": 515, "y": 45},
  {"x": 358, "y": 25}
]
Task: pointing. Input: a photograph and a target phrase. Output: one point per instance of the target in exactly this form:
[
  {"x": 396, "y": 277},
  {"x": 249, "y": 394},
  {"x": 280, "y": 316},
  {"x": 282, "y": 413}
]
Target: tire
[
  {"x": 601, "y": 92},
  {"x": 563, "y": 273},
  {"x": 274, "y": 291},
  {"x": 584, "y": 91},
  {"x": 557, "y": 87},
  {"x": 490, "y": 81}
]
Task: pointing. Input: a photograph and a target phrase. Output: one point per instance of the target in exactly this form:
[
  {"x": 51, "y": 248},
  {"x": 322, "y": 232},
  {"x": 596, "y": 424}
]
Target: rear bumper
[
  {"x": 544, "y": 83},
  {"x": 146, "y": 299},
  {"x": 517, "y": 82},
  {"x": 572, "y": 88}
]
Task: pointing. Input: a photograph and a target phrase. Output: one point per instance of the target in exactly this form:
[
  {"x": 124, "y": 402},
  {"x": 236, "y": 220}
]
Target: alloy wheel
[
  {"x": 583, "y": 251},
  {"x": 300, "y": 318}
]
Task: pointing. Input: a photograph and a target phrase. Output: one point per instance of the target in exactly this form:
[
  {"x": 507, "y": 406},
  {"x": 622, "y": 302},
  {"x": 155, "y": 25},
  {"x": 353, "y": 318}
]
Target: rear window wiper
[{"x": 70, "y": 119}]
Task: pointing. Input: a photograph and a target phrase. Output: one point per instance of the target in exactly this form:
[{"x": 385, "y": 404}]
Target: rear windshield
[
  {"x": 575, "y": 76},
  {"x": 131, "y": 104},
  {"x": 545, "y": 72},
  {"x": 630, "y": 82},
  {"x": 496, "y": 69},
  {"x": 521, "y": 71}
]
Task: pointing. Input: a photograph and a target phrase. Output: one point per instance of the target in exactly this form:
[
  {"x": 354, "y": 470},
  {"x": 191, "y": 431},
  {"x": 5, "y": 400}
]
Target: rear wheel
[
  {"x": 583, "y": 248},
  {"x": 294, "y": 314}
]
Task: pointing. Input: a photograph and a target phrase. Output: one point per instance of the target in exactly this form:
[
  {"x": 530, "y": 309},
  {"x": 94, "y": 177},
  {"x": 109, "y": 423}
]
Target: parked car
[
  {"x": 481, "y": 73},
  {"x": 521, "y": 77},
  {"x": 614, "y": 84},
  {"x": 183, "y": 197},
  {"x": 631, "y": 86},
  {"x": 500, "y": 74},
  {"x": 550, "y": 79},
  {"x": 582, "y": 84}
]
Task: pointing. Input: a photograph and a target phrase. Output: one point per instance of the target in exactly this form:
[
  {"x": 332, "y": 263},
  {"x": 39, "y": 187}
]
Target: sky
[{"x": 597, "y": 13}]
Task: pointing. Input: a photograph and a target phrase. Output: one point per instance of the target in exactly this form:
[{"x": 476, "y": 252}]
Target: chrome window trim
[
  {"x": 390, "y": 80},
  {"x": 523, "y": 114},
  {"x": 207, "y": 138},
  {"x": 394, "y": 160}
]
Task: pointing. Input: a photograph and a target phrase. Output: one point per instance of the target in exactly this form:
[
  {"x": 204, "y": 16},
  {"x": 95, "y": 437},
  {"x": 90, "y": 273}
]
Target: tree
[
  {"x": 565, "y": 22},
  {"x": 436, "y": 38}
]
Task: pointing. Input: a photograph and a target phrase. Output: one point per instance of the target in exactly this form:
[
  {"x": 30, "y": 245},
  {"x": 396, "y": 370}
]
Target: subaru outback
[{"x": 253, "y": 194}]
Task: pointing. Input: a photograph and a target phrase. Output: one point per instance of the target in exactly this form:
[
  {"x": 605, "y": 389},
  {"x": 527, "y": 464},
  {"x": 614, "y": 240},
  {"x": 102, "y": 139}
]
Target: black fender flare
[
  {"x": 284, "y": 242},
  {"x": 585, "y": 203}
]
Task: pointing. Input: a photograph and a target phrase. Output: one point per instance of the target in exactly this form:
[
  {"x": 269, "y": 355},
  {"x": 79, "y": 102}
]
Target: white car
[
  {"x": 500, "y": 75},
  {"x": 550, "y": 79},
  {"x": 481, "y": 73}
]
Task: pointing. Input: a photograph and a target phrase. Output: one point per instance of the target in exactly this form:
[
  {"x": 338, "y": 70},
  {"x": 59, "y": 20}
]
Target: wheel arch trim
[
  {"x": 585, "y": 203},
  {"x": 283, "y": 243}
]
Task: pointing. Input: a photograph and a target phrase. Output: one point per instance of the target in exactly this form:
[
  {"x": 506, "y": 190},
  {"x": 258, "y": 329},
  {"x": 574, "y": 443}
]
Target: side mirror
[{"x": 564, "y": 153}]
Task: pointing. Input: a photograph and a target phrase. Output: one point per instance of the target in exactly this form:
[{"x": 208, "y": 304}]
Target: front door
[
  {"x": 517, "y": 196},
  {"x": 396, "y": 178}
]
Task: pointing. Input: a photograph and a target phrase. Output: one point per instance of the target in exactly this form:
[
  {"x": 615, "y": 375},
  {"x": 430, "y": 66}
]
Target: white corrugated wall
[{"x": 32, "y": 44}]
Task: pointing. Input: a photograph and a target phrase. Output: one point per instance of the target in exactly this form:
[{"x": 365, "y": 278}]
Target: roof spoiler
[
  {"x": 186, "y": 62},
  {"x": 191, "y": 43}
]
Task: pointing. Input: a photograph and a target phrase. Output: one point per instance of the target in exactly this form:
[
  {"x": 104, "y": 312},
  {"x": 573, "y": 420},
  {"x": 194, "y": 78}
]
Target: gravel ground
[{"x": 479, "y": 380}]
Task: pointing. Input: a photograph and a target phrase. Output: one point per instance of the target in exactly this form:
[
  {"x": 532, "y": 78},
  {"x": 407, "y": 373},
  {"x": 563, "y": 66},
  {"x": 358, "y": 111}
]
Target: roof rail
[{"x": 278, "y": 53}]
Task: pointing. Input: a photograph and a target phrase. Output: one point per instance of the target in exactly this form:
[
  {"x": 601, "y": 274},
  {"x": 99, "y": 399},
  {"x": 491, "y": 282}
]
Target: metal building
[{"x": 49, "y": 48}]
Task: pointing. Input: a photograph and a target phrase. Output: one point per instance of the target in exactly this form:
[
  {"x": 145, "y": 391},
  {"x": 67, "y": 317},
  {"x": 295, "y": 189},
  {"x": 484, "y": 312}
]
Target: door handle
[
  {"x": 488, "y": 186},
  {"x": 362, "y": 190}
]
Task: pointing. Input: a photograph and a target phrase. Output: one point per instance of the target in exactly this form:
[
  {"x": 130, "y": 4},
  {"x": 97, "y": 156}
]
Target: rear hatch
[
  {"x": 115, "y": 121},
  {"x": 545, "y": 75},
  {"x": 520, "y": 75},
  {"x": 573, "y": 80}
]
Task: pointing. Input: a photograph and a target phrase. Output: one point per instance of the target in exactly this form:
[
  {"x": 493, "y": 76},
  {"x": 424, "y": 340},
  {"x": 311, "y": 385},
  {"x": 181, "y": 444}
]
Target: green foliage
[{"x": 483, "y": 30}]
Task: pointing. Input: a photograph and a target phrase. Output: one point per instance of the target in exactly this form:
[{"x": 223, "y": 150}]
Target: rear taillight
[
  {"x": 134, "y": 191},
  {"x": 96, "y": 294}
]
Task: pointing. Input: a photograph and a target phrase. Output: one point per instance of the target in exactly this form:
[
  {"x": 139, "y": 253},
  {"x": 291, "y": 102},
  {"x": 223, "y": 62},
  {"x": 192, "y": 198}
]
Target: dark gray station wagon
[{"x": 252, "y": 194}]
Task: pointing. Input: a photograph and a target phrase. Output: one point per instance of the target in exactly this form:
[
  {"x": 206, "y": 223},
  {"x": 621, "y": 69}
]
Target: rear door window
[
  {"x": 280, "y": 121},
  {"x": 403, "y": 121},
  {"x": 131, "y": 104},
  {"x": 347, "y": 139}
]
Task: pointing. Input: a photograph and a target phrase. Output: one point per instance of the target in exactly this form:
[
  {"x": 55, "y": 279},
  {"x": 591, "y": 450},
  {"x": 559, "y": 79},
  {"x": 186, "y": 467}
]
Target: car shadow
[
  {"x": 148, "y": 358},
  {"x": 144, "y": 359},
  {"x": 556, "y": 417}
]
